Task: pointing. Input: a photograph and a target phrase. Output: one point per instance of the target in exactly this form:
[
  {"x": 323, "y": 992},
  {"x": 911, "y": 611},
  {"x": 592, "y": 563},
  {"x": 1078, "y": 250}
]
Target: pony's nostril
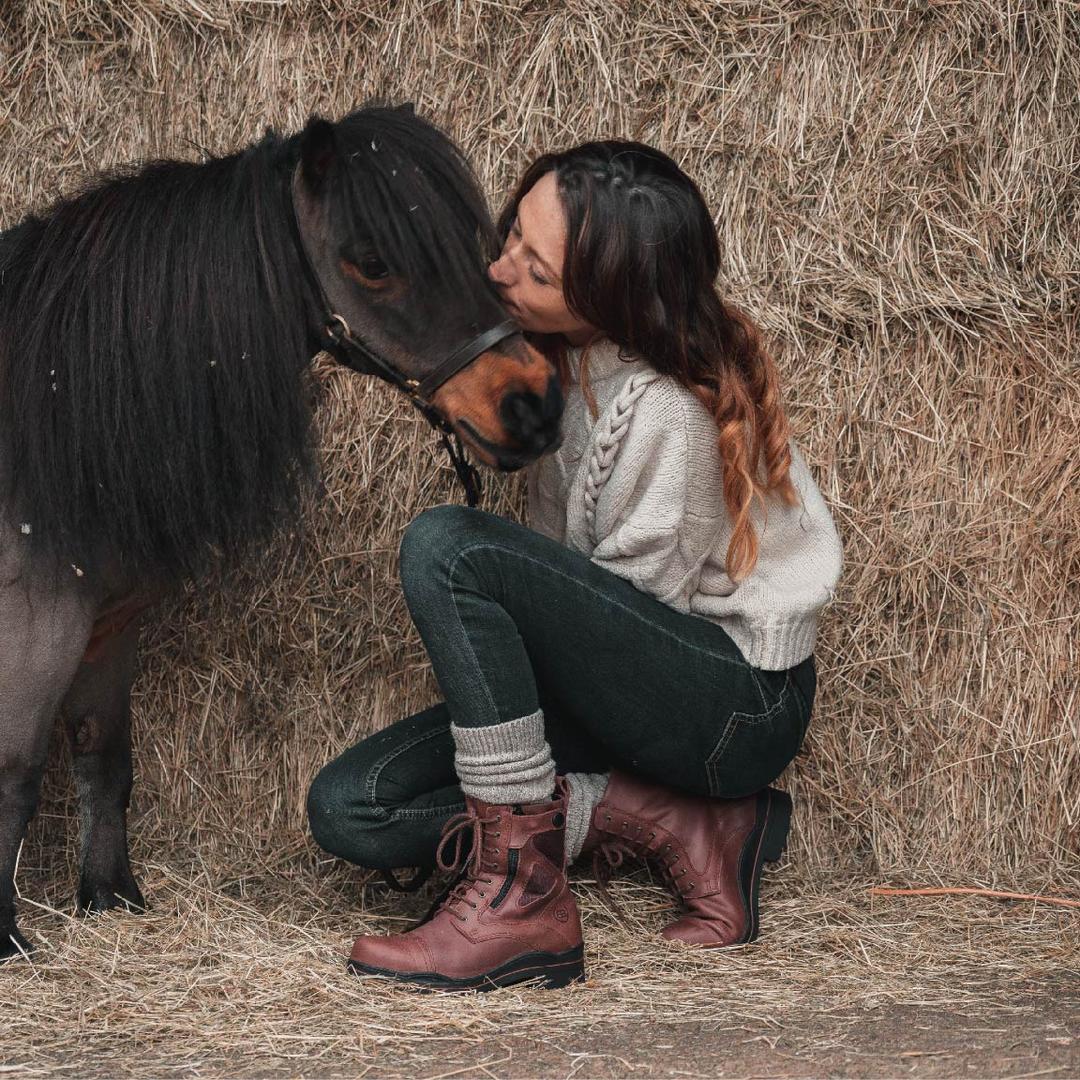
[{"x": 530, "y": 420}]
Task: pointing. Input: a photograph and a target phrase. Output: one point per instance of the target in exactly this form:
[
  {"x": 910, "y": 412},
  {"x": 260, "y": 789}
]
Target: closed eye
[{"x": 515, "y": 231}]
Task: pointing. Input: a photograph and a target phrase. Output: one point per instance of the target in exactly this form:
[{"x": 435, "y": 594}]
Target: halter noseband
[{"x": 339, "y": 340}]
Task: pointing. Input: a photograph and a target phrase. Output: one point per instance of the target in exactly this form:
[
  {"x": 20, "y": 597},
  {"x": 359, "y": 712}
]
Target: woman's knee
[
  {"x": 342, "y": 823},
  {"x": 372, "y": 804},
  {"x": 326, "y": 809},
  {"x": 433, "y": 540},
  {"x": 437, "y": 531}
]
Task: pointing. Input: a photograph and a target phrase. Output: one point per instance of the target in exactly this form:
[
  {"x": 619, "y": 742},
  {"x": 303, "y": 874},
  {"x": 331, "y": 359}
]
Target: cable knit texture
[{"x": 640, "y": 492}]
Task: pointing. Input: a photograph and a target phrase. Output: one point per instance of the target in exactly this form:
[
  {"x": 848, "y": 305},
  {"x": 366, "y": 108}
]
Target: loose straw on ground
[{"x": 996, "y": 894}]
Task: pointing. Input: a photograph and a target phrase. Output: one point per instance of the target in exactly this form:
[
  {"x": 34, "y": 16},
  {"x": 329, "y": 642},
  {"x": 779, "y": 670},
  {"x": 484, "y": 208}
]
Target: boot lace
[
  {"x": 480, "y": 859},
  {"x": 629, "y": 839}
]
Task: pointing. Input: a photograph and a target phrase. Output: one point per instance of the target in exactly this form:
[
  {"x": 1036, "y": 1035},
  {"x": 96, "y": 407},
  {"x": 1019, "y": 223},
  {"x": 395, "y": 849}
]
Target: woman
[{"x": 630, "y": 674}]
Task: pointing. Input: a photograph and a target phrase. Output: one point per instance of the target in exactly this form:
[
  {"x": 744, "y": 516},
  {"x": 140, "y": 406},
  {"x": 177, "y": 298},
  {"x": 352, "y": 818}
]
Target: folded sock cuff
[
  {"x": 505, "y": 763},
  {"x": 586, "y": 792}
]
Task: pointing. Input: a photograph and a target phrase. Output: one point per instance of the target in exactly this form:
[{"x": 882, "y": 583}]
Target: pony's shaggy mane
[
  {"x": 154, "y": 333},
  {"x": 152, "y": 344}
]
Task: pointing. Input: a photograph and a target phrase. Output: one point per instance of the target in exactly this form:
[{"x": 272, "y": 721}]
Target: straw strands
[{"x": 895, "y": 188}]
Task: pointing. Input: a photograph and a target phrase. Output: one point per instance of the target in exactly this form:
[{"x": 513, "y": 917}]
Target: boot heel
[
  {"x": 775, "y": 808},
  {"x": 549, "y": 970},
  {"x": 777, "y": 826},
  {"x": 565, "y": 976}
]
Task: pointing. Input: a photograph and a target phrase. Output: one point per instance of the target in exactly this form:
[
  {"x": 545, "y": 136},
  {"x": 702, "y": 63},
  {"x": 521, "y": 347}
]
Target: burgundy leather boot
[
  {"x": 510, "y": 917},
  {"x": 712, "y": 850}
]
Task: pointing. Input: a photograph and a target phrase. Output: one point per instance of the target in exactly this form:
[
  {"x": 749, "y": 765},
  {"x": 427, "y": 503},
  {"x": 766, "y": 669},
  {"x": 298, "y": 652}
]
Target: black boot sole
[
  {"x": 552, "y": 970},
  {"x": 765, "y": 843}
]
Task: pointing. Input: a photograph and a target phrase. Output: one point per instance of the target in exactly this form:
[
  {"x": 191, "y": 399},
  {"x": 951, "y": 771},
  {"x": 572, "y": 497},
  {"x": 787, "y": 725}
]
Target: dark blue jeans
[{"x": 514, "y": 621}]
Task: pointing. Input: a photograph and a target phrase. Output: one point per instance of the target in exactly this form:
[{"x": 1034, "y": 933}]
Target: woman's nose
[{"x": 498, "y": 271}]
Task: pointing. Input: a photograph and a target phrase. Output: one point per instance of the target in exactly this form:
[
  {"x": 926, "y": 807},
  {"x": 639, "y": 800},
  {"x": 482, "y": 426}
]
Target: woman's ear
[{"x": 318, "y": 151}]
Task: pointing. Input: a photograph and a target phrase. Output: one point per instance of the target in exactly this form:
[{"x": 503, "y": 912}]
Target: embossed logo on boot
[{"x": 561, "y": 914}]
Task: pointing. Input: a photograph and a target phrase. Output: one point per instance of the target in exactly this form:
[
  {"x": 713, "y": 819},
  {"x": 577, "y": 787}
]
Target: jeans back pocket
[{"x": 754, "y": 748}]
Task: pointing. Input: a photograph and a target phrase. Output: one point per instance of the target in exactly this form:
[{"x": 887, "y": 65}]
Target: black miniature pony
[{"x": 155, "y": 332}]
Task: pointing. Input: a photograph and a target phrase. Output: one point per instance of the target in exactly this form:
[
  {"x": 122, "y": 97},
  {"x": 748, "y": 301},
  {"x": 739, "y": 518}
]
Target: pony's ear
[
  {"x": 407, "y": 107},
  {"x": 318, "y": 149}
]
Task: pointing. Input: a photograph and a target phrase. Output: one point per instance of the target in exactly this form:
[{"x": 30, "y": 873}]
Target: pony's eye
[
  {"x": 372, "y": 267},
  {"x": 368, "y": 271}
]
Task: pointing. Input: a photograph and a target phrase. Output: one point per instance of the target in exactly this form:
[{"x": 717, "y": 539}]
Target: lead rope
[{"x": 466, "y": 471}]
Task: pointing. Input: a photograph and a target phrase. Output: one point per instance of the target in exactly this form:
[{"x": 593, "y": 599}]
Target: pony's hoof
[
  {"x": 13, "y": 946},
  {"x": 98, "y": 897}
]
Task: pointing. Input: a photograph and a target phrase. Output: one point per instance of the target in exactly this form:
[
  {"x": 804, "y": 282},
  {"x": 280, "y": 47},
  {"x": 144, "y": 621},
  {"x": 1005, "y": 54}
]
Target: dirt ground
[
  {"x": 891, "y": 1040},
  {"x": 240, "y": 974}
]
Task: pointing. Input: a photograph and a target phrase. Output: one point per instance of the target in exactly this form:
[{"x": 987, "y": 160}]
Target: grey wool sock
[
  {"x": 586, "y": 791},
  {"x": 505, "y": 763}
]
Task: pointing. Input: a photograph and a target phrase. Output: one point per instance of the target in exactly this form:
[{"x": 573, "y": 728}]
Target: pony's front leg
[
  {"x": 41, "y": 640},
  {"x": 97, "y": 715},
  {"x": 24, "y": 743}
]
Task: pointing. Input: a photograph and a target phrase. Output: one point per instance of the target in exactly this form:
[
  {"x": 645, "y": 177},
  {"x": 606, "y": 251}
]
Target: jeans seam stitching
[
  {"x": 761, "y": 693},
  {"x": 589, "y": 588},
  {"x": 376, "y": 770},
  {"x": 461, "y": 626},
  {"x": 423, "y": 812}
]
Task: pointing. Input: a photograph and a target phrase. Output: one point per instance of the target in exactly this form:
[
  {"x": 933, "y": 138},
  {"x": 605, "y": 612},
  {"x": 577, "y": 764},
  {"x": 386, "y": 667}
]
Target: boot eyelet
[{"x": 690, "y": 885}]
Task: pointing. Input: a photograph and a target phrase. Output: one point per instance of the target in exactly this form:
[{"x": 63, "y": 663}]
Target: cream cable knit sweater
[{"x": 640, "y": 492}]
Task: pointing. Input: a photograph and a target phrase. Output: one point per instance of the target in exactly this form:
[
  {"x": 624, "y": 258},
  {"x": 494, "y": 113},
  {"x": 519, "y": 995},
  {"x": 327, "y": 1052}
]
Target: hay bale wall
[{"x": 897, "y": 199}]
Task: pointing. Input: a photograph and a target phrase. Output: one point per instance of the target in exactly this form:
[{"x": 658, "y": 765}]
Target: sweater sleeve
[
  {"x": 772, "y": 615},
  {"x": 634, "y": 490}
]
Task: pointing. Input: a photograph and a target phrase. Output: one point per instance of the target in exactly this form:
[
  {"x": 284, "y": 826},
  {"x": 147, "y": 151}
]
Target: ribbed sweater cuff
[
  {"x": 505, "y": 763},
  {"x": 778, "y": 647}
]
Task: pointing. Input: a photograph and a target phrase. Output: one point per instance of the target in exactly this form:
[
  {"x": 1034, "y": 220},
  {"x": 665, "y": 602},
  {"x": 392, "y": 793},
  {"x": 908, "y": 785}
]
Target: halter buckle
[{"x": 337, "y": 329}]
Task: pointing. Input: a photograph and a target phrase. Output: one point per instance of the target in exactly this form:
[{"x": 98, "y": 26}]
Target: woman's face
[{"x": 528, "y": 273}]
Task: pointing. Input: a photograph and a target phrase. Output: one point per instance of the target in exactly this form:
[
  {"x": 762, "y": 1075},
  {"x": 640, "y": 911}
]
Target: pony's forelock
[{"x": 413, "y": 195}]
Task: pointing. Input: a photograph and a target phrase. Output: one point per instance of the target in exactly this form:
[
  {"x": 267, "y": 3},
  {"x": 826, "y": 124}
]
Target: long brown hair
[{"x": 642, "y": 257}]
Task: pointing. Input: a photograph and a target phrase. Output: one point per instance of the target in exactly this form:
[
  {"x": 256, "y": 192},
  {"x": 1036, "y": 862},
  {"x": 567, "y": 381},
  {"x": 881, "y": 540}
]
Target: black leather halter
[{"x": 339, "y": 340}]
